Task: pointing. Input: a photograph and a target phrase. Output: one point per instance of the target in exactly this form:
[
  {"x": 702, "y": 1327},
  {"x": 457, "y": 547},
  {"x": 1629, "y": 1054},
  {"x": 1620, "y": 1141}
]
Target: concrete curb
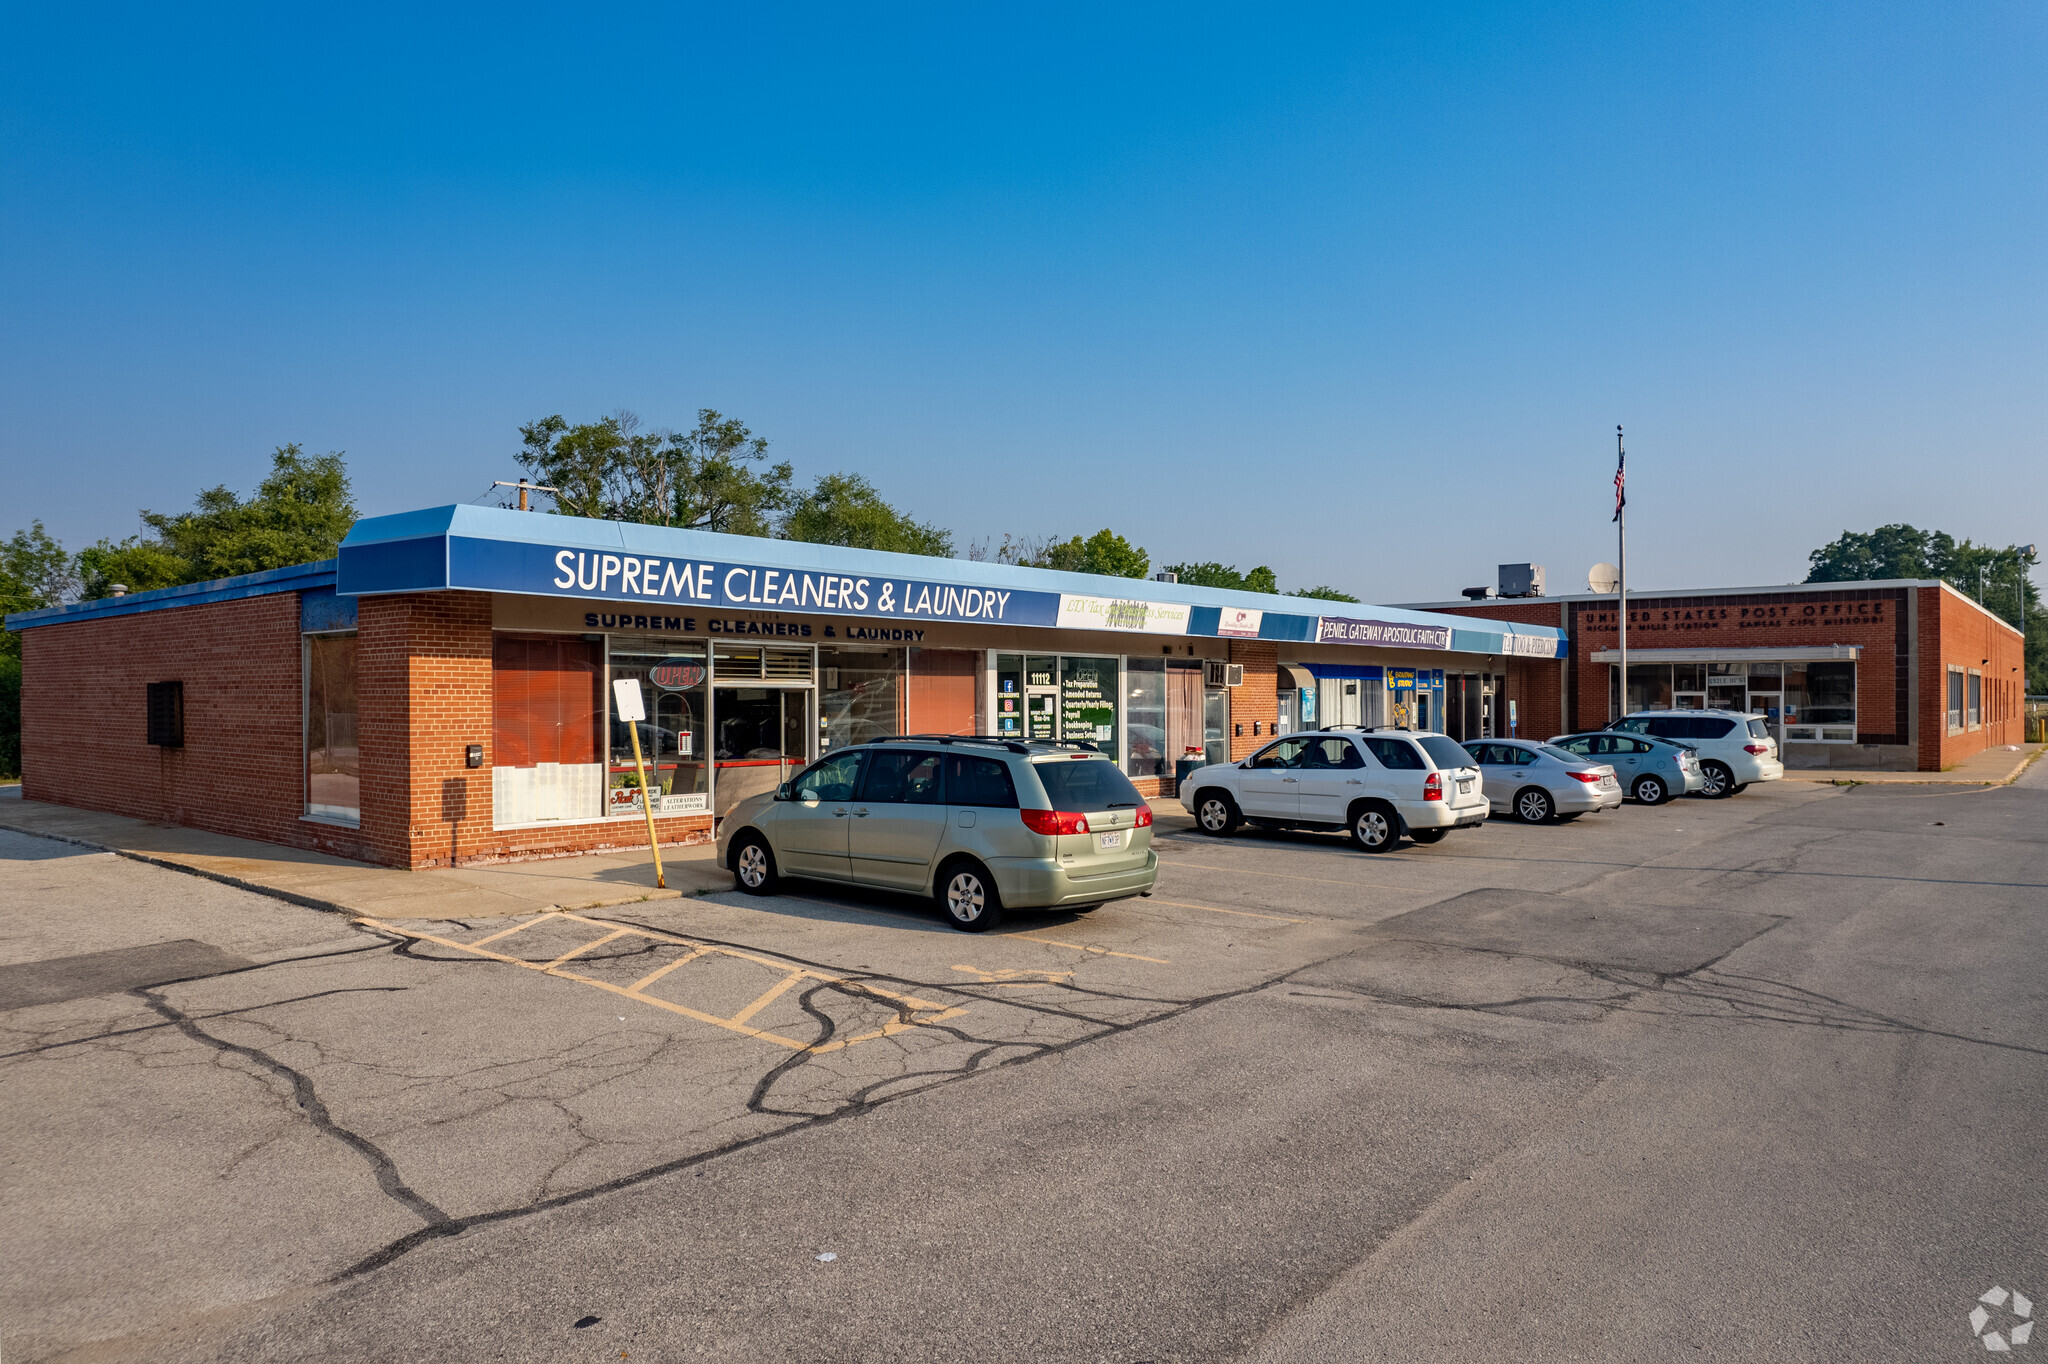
[{"x": 2017, "y": 770}]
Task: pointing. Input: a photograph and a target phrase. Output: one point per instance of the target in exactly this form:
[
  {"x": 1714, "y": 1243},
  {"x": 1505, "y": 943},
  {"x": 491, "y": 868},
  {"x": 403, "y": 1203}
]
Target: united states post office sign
[{"x": 546, "y": 570}]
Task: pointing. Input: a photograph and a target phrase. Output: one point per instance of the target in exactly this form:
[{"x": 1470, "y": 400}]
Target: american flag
[{"x": 1620, "y": 482}]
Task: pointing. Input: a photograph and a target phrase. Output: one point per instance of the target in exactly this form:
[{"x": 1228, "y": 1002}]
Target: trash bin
[{"x": 1182, "y": 769}]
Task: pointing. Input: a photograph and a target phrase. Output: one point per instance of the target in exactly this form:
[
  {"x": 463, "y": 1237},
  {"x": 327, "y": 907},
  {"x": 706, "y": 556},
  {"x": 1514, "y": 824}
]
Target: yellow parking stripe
[
  {"x": 768, "y": 996},
  {"x": 574, "y": 952},
  {"x": 908, "y": 1005},
  {"x": 506, "y": 933},
  {"x": 1082, "y": 947},
  {"x": 656, "y": 974}
]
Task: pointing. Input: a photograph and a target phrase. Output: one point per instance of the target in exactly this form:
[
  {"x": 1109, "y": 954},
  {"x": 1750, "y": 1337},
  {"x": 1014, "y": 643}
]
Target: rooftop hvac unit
[{"x": 1521, "y": 580}]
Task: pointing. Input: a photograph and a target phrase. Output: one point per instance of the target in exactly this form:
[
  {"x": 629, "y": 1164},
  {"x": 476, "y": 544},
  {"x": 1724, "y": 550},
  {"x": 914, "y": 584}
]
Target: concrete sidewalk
[
  {"x": 1993, "y": 767},
  {"x": 318, "y": 881}
]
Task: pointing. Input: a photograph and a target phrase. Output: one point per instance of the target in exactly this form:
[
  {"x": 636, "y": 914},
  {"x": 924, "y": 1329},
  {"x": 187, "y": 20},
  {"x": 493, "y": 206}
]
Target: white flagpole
[{"x": 1621, "y": 521}]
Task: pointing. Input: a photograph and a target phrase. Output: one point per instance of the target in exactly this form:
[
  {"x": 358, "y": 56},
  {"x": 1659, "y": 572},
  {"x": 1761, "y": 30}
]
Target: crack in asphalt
[
  {"x": 308, "y": 1100},
  {"x": 862, "y": 1101}
]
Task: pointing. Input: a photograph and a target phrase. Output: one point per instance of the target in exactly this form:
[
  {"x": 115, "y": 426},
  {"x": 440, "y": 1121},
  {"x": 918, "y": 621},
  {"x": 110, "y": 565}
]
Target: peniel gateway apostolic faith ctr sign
[{"x": 1393, "y": 634}]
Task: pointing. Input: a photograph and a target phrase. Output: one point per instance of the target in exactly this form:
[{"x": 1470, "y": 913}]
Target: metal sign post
[{"x": 627, "y": 706}]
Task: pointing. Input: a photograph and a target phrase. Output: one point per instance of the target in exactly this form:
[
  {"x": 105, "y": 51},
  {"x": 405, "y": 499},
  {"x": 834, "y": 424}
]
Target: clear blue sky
[{"x": 1359, "y": 292}]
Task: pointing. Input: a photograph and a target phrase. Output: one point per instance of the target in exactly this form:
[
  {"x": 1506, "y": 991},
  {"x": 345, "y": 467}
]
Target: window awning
[
  {"x": 1814, "y": 653},
  {"x": 1296, "y": 677}
]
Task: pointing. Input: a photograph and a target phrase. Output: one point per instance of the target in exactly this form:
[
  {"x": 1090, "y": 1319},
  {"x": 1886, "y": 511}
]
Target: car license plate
[
  {"x": 1607, "y": 780},
  {"x": 1465, "y": 787},
  {"x": 1115, "y": 840}
]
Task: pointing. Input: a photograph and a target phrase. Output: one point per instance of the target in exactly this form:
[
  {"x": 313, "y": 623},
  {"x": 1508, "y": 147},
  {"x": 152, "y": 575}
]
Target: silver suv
[
  {"x": 1735, "y": 746},
  {"x": 979, "y": 824}
]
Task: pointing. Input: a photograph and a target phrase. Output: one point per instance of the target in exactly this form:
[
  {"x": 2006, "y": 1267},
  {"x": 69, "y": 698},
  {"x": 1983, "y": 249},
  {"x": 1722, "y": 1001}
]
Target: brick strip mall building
[
  {"x": 1899, "y": 675},
  {"x": 441, "y": 693}
]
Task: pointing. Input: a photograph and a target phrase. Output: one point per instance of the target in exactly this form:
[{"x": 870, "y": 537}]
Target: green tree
[
  {"x": 1999, "y": 578},
  {"x": 299, "y": 514},
  {"x": 1104, "y": 552},
  {"x": 34, "y": 572},
  {"x": 710, "y": 477},
  {"x": 1323, "y": 594},
  {"x": 134, "y": 563},
  {"x": 845, "y": 509}
]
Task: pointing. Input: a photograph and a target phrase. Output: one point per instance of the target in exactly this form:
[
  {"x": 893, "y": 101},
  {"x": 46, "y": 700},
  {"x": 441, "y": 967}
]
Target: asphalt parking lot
[{"x": 1752, "y": 1078}]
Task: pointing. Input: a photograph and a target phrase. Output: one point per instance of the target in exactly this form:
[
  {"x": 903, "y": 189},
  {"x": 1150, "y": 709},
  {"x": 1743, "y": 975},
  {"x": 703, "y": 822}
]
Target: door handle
[
  {"x": 839, "y": 813},
  {"x": 1290, "y": 779},
  {"x": 1353, "y": 781},
  {"x": 860, "y": 814}
]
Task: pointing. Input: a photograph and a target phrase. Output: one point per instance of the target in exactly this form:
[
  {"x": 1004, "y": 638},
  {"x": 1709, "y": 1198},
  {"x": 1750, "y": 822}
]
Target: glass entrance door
[{"x": 760, "y": 738}]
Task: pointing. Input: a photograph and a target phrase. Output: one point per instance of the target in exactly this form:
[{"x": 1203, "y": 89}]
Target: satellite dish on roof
[{"x": 1603, "y": 578}]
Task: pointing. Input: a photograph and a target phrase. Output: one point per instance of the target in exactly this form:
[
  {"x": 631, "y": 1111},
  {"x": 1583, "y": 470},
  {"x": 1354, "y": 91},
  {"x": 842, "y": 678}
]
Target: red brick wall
[
  {"x": 1255, "y": 706},
  {"x": 241, "y": 770},
  {"x": 1955, "y": 631},
  {"x": 1536, "y": 686},
  {"x": 1872, "y": 618},
  {"x": 426, "y": 696},
  {"x": 424, "y": 691}
]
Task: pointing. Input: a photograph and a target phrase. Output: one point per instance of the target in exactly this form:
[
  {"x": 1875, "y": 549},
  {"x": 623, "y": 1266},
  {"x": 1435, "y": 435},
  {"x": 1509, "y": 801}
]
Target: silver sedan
[{"x": 1537, "y": 783}]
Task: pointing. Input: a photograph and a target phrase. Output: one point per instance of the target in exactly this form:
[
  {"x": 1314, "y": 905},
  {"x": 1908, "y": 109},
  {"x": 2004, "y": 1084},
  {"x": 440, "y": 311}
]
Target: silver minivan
[{"x": 978, "y": 824}]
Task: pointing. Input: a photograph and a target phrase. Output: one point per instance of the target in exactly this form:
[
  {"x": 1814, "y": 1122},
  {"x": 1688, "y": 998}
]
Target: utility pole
[{"x": 524, "y": 488}]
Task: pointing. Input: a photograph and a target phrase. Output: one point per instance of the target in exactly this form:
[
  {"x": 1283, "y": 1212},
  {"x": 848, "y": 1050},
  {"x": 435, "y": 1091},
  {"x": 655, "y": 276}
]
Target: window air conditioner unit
[{"x": 1223, "y": 674}]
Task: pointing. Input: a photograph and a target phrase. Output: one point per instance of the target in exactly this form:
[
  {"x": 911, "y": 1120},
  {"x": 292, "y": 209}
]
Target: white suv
[
  {"x": 1735, "y": 747},
  {"x": 1374, "y": 783}
]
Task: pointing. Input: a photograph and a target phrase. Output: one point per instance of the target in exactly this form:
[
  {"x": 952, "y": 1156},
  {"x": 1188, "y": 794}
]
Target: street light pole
[{"x": 1621, "y": 525}]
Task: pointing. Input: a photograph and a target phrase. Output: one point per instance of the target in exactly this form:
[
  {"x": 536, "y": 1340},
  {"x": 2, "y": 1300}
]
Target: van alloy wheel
[
  {"x": 1719, "y": 780},
  {"x": 969, "y": 901},
  {"x": 753, "y": 867}
]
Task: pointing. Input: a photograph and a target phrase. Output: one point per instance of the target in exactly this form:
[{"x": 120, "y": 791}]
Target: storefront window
[
  {"x": 1820, "y": 702},
  {"x": 860, "y": 696},
  {"x": 1010, "y": 695},
  {"x": 1976, "y": 699},
  {"x": 673, "y": 691},
  {"x": 545, "y": 709},
  {"x": 1649, "y": 687},
  {"x": 1145, "y": 718},
  {"x": 333, "y": 770},
  {"x": 1088, "y": 701}
]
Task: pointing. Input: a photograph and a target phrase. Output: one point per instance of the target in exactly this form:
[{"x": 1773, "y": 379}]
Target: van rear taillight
[
  {"x": 1144, "y": 816},
  {"x": 1433, "y": 786},
  {"x": 1054, "y": 821},
  {"x": 1758, "y": 749}
]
